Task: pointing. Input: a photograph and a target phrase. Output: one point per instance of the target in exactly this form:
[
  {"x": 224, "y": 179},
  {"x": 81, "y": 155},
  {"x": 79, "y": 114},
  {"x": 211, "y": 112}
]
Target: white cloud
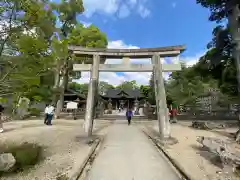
[
  {"x": 116, "y": 79},
  {"x": 191, "y": 60},
  {"x": 141, "y": 78},
  {"x": 121, "y": 8},
  {"x": 86, "y": 24},
  {"x": 144, "y": 12}
]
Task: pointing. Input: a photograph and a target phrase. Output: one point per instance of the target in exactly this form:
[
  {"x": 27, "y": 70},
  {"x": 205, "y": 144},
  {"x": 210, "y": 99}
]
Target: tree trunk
[
  {"x": 233, "y": 19},
  {"x": 63, "y": 87},
  {"x": 56, "y": 85}
]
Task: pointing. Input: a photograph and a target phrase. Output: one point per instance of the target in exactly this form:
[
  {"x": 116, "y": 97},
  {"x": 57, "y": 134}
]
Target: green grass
[{"x": 27, "y": 155}]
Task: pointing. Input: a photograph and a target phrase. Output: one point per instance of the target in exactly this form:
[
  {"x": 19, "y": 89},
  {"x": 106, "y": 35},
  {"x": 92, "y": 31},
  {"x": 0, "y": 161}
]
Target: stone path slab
[{"x": 127, "y": 154}]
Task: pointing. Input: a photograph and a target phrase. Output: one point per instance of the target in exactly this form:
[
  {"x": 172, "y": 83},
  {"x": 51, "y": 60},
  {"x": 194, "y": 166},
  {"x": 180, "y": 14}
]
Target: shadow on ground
[{"x": 212, "y": 158}]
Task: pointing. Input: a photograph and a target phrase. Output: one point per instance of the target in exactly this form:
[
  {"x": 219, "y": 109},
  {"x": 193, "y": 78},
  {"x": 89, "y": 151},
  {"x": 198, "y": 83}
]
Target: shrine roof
[{"x": 119, "y": 93}]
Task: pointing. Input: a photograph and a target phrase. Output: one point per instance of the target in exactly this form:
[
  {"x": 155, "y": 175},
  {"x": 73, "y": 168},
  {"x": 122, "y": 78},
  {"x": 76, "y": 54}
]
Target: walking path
[{"x": 127, "y": 154}]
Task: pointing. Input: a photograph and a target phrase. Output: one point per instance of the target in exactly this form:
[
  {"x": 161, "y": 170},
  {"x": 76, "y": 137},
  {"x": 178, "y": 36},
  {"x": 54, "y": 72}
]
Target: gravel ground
[
  {"x": 187, "y": 152},
  {"x": 64, "y": 144}
]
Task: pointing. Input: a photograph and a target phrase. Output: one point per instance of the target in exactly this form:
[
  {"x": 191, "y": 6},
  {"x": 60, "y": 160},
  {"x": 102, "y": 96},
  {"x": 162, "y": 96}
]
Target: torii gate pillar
[
  {"x": 92, "y": 96},
  {"x": 160, "y": 96}
]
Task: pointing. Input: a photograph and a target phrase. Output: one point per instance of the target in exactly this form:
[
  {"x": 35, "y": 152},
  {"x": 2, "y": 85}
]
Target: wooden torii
[{"x": 98, "y": 57}]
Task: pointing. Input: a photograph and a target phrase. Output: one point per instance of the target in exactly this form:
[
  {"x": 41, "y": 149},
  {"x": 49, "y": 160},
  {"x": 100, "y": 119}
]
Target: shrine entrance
[
  {"x": 119, "y": 100},
  {"x": 97, "y": 59}
]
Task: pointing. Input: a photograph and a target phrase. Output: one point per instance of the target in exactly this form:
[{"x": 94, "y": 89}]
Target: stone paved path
[{"x": 127, "y": 154}]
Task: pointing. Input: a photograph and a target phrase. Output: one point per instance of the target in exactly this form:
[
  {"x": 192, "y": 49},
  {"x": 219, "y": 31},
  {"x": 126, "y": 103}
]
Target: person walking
[
  {"x": 129, "y": 115},
  {"x": 50, "y": 113},
  {"x": 45, "y": 113},
  {"x": 1, "y": 121}
]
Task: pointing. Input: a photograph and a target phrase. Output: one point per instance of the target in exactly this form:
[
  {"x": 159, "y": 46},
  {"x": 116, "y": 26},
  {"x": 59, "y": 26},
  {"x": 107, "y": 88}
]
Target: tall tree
[
  {"x": 225, "y": 52},
  {"x": 230, "y": 10},
  {"x": 67, "y": 12},
  {"x": 26, "y": 29},
  {"x": 82, "y": 36}
]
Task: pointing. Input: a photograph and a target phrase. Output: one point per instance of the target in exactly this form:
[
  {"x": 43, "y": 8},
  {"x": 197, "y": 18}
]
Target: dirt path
[{"x": 64, "y": 144}]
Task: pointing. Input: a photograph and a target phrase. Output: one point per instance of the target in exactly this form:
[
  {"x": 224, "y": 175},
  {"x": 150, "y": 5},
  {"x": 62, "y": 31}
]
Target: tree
[
  {"x": 71, "y": 33},
  {"x": 67, "y": 12},
  {"x": 151, "y": 93},
  {"x": 82, "y": 36},
  {"x": 230, "y": 10},
  {"x": 103, "y": 87},
  {"x": 81, "y": 88},
  {"x": 145, "y": 90},
  {"x": 24, "y": 56},
  {"x": 128, "y": 85},
  {"x": 223, "y": 56},
  {"x": 89, "y": 36}
]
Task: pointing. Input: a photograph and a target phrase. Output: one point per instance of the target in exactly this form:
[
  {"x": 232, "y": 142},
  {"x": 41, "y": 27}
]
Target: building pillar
[
  {"x": 160, "y": 96},
  {"x": 92, "y": 96}
]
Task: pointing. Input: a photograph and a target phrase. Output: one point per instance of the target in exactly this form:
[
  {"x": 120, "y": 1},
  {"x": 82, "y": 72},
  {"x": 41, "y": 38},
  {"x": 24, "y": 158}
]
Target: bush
[
  {"x": 27, "y": 155},
  {"x": 34, "y": 112}
]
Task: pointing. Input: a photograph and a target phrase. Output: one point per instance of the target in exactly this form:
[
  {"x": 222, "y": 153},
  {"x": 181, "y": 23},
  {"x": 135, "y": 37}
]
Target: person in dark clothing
[{"x": 129, "y": 115}]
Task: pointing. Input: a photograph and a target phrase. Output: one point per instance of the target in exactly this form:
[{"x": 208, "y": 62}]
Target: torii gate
[{"x": 99, "y": 56}]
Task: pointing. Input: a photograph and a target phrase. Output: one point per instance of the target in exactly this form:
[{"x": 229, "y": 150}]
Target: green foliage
[
  {"x": 104, "y": 86},
  {"x": 3, "y": 100},
  {"x": 218, "y": 8},
  {"x": 67, "y": 14},
  {"x": 145, "y": 90},
  {"x": 27, "y": 32},
  {"x": 89, "y": 36},
  {"x": 151, "y": 94},
  {"x": 83, "y": 88},
  {"x": 128, "y": 85},
  {"x": 27, "y": 155},
  {"x": 30, "y": 31},
  {"x": 185, "y": 86},
  {"x": 34, "y": 112},
  {"x": 219, "y": 58}
]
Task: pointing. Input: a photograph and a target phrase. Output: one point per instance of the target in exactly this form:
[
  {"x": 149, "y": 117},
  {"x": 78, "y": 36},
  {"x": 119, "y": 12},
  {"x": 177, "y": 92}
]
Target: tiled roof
[{"x": 118, "y": 93}]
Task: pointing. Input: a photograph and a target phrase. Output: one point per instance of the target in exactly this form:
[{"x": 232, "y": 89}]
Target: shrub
[
  {"x": 26, "y": 155},
  {"x": 34, "y": 112}
]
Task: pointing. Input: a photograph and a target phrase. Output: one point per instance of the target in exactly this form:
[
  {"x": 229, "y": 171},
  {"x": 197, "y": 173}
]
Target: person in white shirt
[
  {"x": 45, "y": 113},
  {"x": 49, "y": 110}
]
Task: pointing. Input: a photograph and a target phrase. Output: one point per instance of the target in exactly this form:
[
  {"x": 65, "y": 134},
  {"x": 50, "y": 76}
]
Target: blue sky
[{"x": 149, "y": 23}]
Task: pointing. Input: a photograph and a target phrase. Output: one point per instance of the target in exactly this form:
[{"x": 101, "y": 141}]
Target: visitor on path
[
  {"x": 1, "y": 123},
  {"x": 173, "y": 113},
  {"x": 45, "y": 114},
  {"x": 50, "y": 113},
  {"x": 129, "y": 115}
]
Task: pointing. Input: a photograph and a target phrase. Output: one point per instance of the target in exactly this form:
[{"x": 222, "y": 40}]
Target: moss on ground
[{"x": 27, "y": 155}]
